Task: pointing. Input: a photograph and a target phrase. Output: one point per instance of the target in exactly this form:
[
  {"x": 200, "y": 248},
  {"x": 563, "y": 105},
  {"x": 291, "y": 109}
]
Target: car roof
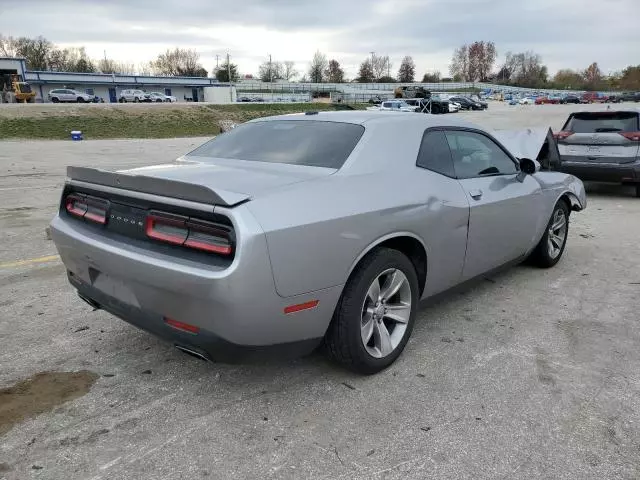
[{"x": 362, "y": 117}]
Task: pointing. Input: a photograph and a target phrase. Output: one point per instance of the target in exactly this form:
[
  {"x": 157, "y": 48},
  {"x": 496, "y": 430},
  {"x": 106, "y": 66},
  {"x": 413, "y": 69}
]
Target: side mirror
[{"x": 529, "y": 166}]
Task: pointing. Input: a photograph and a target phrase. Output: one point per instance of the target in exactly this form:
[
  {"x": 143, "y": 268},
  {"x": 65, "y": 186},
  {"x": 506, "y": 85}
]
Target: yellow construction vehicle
[{"x": 15, "y": 90}]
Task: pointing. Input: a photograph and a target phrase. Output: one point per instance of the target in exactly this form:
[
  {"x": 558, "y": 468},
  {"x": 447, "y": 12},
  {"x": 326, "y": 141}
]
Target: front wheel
[
  {"x": 551, "y": 247},
  {"x": 374, "y": 317},
  {"x": 80, "y": 100},
  {"x": 55, "y": 100}
]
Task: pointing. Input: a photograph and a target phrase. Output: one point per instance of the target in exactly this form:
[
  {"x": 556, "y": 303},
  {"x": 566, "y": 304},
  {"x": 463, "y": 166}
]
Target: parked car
[
  {"x": 629, "y": 97},
  {"x": 453, "y": 106},
  {"x": 466, "y": 103},
  {"x": 593, "y": 97},
  {"x": 432, "y": 105},
  {"x": 227, "y": 254},
  {"x": 394, "y": 105},
  {"x": 161, "y": 97},
  {"x": 477, "y": 99},
  {"x": 133, "y": 96},
  {"x": 527, "y": 101},
  {"x": 411, "y": 91},
  {"x": 69, "y": 95},
  {"x": 602, "y": 147},
  {"x": 570, "y": 98}
]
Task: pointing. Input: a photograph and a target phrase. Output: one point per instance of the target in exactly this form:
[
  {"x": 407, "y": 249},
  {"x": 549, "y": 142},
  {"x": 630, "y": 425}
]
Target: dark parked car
[
  {"x": 570, "y": 98},
  {"x": 467, "y": 103},
  {"x": 602, "y": 147},
  {"x": 629, "y": 97},
  {"x": 429, "y": 105}
]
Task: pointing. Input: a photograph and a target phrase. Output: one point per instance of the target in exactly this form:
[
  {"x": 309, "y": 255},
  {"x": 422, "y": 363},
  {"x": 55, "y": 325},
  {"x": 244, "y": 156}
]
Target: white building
[{"x": 108, "y": 86}]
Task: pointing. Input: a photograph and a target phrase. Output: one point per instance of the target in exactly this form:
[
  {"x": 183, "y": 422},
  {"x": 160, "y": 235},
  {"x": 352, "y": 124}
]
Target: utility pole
[
  {"x": 217, "y": 57},
  {"x": 373, "y": 74},
  {"x": 271, "y": 77},
  {"x": 229, "y": 78}
]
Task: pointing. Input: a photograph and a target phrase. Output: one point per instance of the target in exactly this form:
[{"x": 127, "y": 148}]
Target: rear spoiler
[{"x": 156, "y": 186}]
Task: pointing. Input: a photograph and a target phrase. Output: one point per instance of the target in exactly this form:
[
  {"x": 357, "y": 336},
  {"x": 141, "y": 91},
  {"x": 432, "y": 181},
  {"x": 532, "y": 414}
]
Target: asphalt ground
[{"x": 530, "y": 373}]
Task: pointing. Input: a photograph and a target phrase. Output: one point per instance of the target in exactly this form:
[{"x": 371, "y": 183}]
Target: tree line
[{"x": 474, "y": 62}]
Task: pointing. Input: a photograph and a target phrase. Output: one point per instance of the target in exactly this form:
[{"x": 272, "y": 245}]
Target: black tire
[
  {"x": 136, "y": 100},
  {"x": 55, "y": 99},
  {"x": 638, "y": 191},
  {"x": 80, "y": 100},
  {"x": 343, "y": 338},
  {"x": 541, "y": 257}
]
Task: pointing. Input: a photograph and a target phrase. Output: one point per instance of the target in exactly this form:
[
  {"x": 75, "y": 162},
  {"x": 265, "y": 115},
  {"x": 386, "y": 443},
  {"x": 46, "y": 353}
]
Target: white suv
[
  {"x": 133, "y": 96},
  {"x": 69, "y": 95}
]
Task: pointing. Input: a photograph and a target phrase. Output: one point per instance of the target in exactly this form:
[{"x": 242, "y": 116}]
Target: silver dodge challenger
[{"x": 293, "y": 231}]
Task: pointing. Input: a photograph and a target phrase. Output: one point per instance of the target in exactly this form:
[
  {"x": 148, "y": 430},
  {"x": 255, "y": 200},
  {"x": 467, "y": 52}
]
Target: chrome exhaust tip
[{"x": 191, "y": 352}]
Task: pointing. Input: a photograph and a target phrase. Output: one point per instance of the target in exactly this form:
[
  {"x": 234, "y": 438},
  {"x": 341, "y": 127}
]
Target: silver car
[
  {"x": 602, "y": 147},
  {"x": 290, "y": 231},
  {"x": 69, "y": 95}
]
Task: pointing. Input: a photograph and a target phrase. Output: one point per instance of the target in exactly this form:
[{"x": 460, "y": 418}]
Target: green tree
[
  {"x": 222, "y": 74},
  {"x": 407, "y": 70},
  {"x": 334, "y": 73}
]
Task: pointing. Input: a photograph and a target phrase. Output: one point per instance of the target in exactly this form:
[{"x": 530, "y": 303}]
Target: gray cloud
[{"x": 569, "y": 33}]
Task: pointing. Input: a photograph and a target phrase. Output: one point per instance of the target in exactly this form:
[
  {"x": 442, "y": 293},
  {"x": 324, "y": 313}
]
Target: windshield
[
  {"x": 25, "y": 87},
  {"x": 602, "y": 122},
  {"x": 312, "y": 143}
]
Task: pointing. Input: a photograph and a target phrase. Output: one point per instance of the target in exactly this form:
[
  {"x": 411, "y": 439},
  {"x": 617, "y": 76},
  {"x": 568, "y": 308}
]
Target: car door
[
  {"x": 69, "y": 96},
  {"x": 445, "y": 232},
  {"x": 505, "y": 204}
]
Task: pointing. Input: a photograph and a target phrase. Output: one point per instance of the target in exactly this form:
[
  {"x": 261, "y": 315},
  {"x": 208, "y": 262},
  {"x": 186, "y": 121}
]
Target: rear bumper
[
  {"x": 628, "y": 173},
  {"x": 205, "y": 344},
  {"x": 236, "y": 308}
]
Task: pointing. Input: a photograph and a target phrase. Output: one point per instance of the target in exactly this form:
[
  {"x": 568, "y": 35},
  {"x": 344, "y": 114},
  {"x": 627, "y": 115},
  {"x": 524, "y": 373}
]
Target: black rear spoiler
[{"x": 156, "y": 186}]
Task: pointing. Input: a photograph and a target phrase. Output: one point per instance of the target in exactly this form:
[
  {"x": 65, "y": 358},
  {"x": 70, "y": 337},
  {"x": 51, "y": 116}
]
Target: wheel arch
[
  {"x": 572, "y": 201},
  {"x": 405, "y": 242}
]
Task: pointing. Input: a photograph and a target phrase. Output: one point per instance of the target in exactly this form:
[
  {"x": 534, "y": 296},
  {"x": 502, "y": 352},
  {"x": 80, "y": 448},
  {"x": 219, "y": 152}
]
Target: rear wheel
[
  {"x": 551, "y": 247},
  {"x": 55, "y": 99},
  {"x": 375, "y": 315},
  {"x": 80, "y": 100},
  {"x": 136, "y": 100}
]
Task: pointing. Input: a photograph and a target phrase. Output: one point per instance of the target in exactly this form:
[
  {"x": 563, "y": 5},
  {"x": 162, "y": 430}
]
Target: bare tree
[
  {"x": 288, "y": 70},
  {"x": 36, "y": 51},
  {"x": 271, "y": 71},
  {"x": 526, "y": 69},
  {"x": 381, "y": 66},
  {"x": 179, "y": 62},
  {"x": 334, "y": 73},
  {"x": 145, "y": 68},
  {"x": 7, "y": 46},
  {"x": 107, "y": 65},
  {"x": 459, "y": 67},
  {"x": 407, "y": 70},
  {"x": 318, "y": 67},
  {"x": 70, "y": 60}
]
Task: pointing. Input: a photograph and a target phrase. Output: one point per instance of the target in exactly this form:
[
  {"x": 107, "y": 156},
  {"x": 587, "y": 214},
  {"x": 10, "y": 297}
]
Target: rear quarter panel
[{"x": 316, "y": 233}]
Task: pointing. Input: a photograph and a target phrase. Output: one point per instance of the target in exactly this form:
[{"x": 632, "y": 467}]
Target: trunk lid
[
  {"x": 596, "y": 137},
  {"x": 216, "y": 181}
]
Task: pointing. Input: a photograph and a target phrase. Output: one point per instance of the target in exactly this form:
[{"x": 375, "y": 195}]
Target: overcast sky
[{"x": 567, "y": 33}]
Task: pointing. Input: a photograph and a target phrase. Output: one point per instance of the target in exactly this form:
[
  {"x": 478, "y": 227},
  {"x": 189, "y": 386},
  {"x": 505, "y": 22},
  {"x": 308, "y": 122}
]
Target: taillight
[
  {"x": 562, "y": 135},
  {"x": 210, "y": 237},
  {"x": 89, "y": 208},
  {"x": 189, "y": 232},
  {"x": 166, "y": 227},
  {"x": 633, "y": 136}
]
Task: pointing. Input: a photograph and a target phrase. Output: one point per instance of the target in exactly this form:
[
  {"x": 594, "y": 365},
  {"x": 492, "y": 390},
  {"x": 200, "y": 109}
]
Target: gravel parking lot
[{"x": 526, "y": 374}]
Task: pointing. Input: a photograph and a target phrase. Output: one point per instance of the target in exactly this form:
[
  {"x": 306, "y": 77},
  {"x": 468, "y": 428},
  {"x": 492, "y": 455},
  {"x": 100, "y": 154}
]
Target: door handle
[{"x": 476, "y": 194}]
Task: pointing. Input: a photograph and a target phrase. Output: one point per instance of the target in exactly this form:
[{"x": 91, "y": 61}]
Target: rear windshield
[
  {"x": 312, "y": 143},
  {"x": 602, "y": 122}
]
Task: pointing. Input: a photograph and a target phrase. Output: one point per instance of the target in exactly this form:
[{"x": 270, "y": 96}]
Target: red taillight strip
[
  {"x": 633, "y": 136},
  {"x": 562, "y": 135},
  {"x": 224, "y": 250},
  {"x": 87, "y": 203},
  {"x": 301, "y": 306},
  {"x": 162, "y": 219},
  {"x": 70, "y": 205},
  {"x": 184, "y": 327}
]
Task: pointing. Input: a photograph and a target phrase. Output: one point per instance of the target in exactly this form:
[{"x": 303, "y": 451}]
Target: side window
[
  {"x": 475, "y": 155},
  {"x": 386, "y": 104},
  {"x": 434, "y": 154}
]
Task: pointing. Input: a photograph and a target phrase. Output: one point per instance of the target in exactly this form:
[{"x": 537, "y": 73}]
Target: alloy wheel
[
  {"x": 386, "y": 311},
  {"x": 557, "y": 233}
]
